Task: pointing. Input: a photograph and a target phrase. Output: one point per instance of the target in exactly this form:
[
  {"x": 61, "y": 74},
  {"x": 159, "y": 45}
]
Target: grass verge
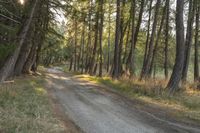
[
  {"x": 25, "y": 108},
  {"x": 186, "y": 102}
]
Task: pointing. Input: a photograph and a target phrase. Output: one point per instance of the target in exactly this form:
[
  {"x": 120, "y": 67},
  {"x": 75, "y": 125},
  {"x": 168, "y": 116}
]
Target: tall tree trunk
[
  {"x": 139, "y": 22},
  {"x": 123, "y": 27},
  {"x": 180, "y": 49},
  {"x": 127, "y": 43},
  {"x": 157, "y": 40},
  {"x": 166, "y": 40},
  {"x": 130, "y": 61},
  {"x": 147, "y": 40},
  {"x": 71, "y": 64},
  {"x": 109, "y": 37},
  {"x": 196, "y": 46},
  {"x": 83, "y": 47},
  {"x": 147, "y": 65},
  {"x": 23, "y": 55},
  {"x": 188, "y": 41},
  {"x": 75, "y": 45},
  {"x": 9, "y": 65},
  {"x": 31, "y": 58},
  {"x": 92, "y": 64},
  {"x": 89, "y": 40},
  {"x": 115, "y": 73},
  {"x": 100, "y": 38}
]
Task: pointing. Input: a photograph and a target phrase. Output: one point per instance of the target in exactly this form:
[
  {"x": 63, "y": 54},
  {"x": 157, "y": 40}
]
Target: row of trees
[
  {"x": 135, "y": 38},
  {"x": 115, "y": 37}
]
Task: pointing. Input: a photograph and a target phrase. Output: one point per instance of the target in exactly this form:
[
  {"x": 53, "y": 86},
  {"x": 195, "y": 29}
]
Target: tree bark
[
  {"x": 180, "y": 49},
  {"x": 166, "y": 40},
  {"x": 146, "y": 69},
  {"x": 89, "y": 40},
  {"x": 157, "y": 40},
  {"x": 109, "y": 37},
  {"x": 23, "y": 55},
  {"x": 130, "y": 61},
  {"x": 188, "y": 41},
  {"x": 115, "y": 73},
  {"x": 92, "y": 64},
  {"x": 100, "y": 38},
  {"x": 75, "y": 45},
  {"x": 147, "y": 39},
  {"x": 196, "y": 46},
  {"x": 137, "y": 29}
]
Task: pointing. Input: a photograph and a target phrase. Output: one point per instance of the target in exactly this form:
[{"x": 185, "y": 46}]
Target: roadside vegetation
[
  {"x": 25, "y": 107},
  {"x": 186, "y": 102}
]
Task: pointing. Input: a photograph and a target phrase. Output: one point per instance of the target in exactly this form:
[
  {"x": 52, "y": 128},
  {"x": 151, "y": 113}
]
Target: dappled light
[
  {"x": 21, "y": 2},
  {"x": 99, "y": 66}
]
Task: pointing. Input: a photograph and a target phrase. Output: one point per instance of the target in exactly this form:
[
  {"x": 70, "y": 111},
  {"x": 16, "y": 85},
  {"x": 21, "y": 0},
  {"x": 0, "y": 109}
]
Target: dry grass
[
  {"x": 25, "y": 108},
  {"x": 185, "y": 101}
]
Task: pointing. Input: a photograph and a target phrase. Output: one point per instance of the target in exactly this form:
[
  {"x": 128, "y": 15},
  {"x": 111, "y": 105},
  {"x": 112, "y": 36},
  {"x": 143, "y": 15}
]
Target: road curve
[{"x": 97, "y": 111}]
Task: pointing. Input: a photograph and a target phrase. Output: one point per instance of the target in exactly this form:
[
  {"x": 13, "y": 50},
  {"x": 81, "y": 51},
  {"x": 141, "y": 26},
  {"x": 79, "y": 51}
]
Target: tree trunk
[
  {"x": 83, "y": 47},
  {"x": 71, "y": 64},
  {"x": 196, "y": 46},
  {"x": 180, "y": 47},
  {"x": 127, "y": 43},
  {"x": 100, "y": 37},
  {"x": 89, "y": 40},
  {"x": 31, "y": 58},
  {"x": 92, "y": 64},
  {"x": 75, "y": 45},
  {"x": 147, "y": 65},
  {"x": 147, "y": 40},
  {"x": 166, "y": 40},
  {"x": 130, "y": 61},
  {"x": 109, "y": 39},
  {"x": 157, "y": 40},
  {"x": 23, "y": 55},
  {"x": 9, "y": 65},
  {"x": 115, "y": 73},
  {"x": 188, "y": 41},
  {"x": 139, "y": 22}
]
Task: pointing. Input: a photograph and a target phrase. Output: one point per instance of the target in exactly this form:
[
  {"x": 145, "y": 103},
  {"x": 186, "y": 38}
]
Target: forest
[
  {"x": 142, "y": 39},
  {"x": 151, "y": 42}
]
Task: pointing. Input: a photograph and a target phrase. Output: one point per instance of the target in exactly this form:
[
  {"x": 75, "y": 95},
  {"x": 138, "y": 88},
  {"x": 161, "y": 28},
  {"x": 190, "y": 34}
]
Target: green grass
[
  {"x": 25, "y": 108},
  {"x": 186, "y": 102}
]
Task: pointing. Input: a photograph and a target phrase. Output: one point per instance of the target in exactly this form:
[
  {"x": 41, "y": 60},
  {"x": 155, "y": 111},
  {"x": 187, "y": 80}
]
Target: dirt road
[{"x": 98, "y": 111}]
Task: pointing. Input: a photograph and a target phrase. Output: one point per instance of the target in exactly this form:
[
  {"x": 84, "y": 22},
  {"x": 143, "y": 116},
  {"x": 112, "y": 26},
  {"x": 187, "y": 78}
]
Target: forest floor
[{"x": 57, "y": 102}]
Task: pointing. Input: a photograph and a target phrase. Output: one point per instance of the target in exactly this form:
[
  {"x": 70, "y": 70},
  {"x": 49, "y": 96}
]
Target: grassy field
[
  {"x": 186, "y": 102},
  {"x": 25, "y": 108}
]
